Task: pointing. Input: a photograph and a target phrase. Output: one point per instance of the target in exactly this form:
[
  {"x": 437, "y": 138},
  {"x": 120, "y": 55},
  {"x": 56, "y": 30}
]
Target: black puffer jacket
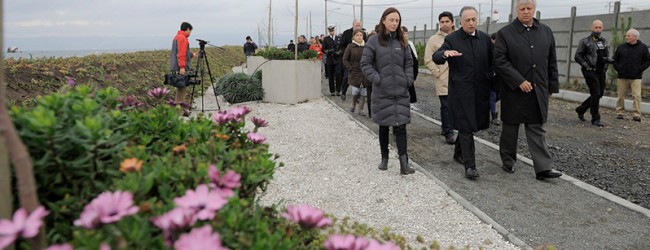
[
  {"x": 390, "y": 70},
  {"x": 630, "y": 60}
]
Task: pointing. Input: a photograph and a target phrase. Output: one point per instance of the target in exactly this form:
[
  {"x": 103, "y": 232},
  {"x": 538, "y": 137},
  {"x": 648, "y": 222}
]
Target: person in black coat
[
  {"x": 416, "y": 65},
  {"x": 468, "y": 52},
  {"x": 333, "y": 64},
  {"x": 525, "y": 59},
  {"x": 630, "y": 60}
]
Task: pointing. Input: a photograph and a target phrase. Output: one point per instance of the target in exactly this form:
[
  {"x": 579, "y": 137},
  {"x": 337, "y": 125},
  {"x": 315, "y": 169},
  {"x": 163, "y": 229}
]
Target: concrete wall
[
  {"x": 561, "y": 28},
  {"x": 291, "y": 81}
]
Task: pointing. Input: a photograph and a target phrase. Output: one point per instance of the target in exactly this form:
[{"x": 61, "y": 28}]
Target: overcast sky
[{"x": 151, "y": 24}]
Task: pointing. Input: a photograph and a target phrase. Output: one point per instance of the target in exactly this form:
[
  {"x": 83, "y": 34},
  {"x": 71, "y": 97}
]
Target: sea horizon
[{"x": 34, "y": 54}]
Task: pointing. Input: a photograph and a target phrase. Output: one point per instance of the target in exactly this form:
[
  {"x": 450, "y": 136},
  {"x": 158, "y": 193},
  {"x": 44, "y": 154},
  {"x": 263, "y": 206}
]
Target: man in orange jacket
[{"x": 181, "y": 56}]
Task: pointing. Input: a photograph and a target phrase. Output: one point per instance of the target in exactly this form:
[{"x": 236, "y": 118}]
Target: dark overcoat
[
  {"x": 332, "y": 51},
  {"x": 470, "y": 79},
  {"x": 526, "y": 54},
  {"x": 352, "y": 62},
  {"x": 390, "y": 70}
]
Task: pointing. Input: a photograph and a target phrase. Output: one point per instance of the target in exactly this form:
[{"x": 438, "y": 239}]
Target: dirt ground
[{"x": 615, "y": 158}]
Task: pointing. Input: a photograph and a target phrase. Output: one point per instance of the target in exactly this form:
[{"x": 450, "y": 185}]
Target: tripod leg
[{"x": 214, "y": 89}]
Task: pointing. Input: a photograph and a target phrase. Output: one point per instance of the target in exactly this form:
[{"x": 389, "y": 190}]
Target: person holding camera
[
  {"x": 593, "y": 55},
  {"x": 249, "y": 47},
  {"x": 180, "y": 58}
]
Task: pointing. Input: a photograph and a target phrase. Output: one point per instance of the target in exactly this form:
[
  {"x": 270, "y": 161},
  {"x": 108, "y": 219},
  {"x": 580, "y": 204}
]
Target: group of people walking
[{"x": 465, "y": 63}]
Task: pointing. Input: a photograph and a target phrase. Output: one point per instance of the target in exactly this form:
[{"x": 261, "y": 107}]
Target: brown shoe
[
  {"x": 637, "y": 119},
  {"x": 619, "y": 116}
]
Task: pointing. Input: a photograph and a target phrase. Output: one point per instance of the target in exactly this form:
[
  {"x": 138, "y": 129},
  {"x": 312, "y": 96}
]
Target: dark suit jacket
[
  {"x": 526, "y": 54},
  {"x": 470, "y": 78},
  {"x": 332, "y": 50}
]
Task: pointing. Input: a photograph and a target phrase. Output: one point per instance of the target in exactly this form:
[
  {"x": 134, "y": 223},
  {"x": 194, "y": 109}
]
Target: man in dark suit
[
  {"x": 525, "y": 59},
  {"x": 333, "y": 64},
  {"x": 468, "y": 52}
]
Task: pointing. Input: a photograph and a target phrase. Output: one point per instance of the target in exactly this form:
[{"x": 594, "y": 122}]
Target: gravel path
[{"x": 330, "y": 162}]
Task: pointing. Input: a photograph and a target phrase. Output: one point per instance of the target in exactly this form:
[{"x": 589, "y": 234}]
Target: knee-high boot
[{"x": 404, "y": 167}]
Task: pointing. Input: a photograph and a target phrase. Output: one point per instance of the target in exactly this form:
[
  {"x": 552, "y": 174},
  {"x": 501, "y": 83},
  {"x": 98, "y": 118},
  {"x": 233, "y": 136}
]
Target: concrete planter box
[
  {"x": 291, "y": 81},
  {"x": 252, "y": 63}
]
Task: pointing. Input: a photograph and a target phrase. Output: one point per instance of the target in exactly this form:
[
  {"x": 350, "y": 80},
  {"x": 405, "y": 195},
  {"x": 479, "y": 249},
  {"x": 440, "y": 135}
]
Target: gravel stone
[{"x": 331, "y": 163}]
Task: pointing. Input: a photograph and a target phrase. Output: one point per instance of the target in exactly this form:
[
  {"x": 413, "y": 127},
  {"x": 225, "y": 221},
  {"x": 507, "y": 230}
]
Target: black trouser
[
  {"x": 400, "y": 140},
  {"x": 334, "y": 78},
  {"x": 344, "y": 84},
  {"x": 465, "y": 148},
  {"x": 444, "y": 115},
  {"x": 596, "y": 83},
  {"x": 368, "y": 97},
  {"x": 535, "y": 136},
  {"x": 413, "y": 97}
]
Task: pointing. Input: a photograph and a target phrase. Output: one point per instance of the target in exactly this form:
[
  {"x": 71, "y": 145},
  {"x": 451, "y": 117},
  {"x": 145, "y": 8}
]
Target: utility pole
[
  {"x": 354, "y": 11},
  {"x": 295, "y": 33},
  {"x": 491, "y": 11},
  {"x": 326, "y": 17},
  {"x": 259, "y": 36},
  {"x": 479, "y": 14},
  {"x": 310, "y": 30},
  {"x": 513, "y": 10},
  {"x": 361, "y": 14},
  {"x": 270, "y": 25},
  {"x": 431, "y": 14}
]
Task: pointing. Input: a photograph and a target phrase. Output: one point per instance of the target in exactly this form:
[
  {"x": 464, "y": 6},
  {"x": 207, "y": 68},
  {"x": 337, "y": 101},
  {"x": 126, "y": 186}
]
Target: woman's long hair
[{"x": 384, "y": 33}]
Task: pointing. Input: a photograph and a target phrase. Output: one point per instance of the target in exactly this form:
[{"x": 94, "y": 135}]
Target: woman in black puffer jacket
[{"x": 388, "y": 65}]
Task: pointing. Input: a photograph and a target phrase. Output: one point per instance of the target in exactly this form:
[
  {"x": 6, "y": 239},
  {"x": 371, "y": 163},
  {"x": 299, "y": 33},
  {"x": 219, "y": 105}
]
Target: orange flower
[
  {"x": 179, "y": 149},
  {"x": 222, "y": 136},
  {"x": 130, "y": 165}
]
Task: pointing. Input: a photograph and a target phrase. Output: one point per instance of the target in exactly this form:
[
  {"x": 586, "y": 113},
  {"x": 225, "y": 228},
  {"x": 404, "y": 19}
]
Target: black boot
[
  {"x": 404, "y": 167},
  {"x": 384, "y": 164}
]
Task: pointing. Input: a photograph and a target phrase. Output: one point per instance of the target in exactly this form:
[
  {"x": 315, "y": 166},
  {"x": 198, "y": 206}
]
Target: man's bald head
[{"x": 597, "y": 27}]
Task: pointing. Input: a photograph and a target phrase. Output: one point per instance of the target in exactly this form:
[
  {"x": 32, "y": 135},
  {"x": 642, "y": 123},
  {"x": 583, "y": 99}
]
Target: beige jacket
[{"x": 440, "y": 72}]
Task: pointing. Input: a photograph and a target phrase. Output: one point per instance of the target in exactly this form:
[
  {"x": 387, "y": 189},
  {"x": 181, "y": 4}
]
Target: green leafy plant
[
  {"x": 283, "y": 54},
  {"x": 419, "y": 49},
  {"x": 240, "y": 87}
]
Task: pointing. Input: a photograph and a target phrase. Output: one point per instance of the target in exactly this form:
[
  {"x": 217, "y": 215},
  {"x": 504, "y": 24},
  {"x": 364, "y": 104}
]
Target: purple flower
[
  {"x": 202, "y": 201},
  {"x": 158, "y": 92},
  {"x": 70, "y": 82},
  {"x": 107, "y": 208},
  {"x": 239, "y": 111},
  {"x": 65, "y": 246},
  {"x": 173, "y": 103},
  {"x": 129, "y": 102},
  {"x": 104, "y": 246},
  {"x": 307, "y": 216},
  {"x": 225, "y": 184},
  {"x": 340, "y": 242},
  {"x": 22, "y": 225},
  {"x": 376, "y": 245},
  {"x": 176, "y": 219},
  {"x": 222, "y": 117},
  {"x": 200, "y": 239},
  {"x": 256, "y": 138},
  {"x": 259, "y": 122},
  {"x": 349, "y": 242}
]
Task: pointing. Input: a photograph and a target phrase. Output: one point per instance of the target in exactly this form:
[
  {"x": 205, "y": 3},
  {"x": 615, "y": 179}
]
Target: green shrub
[
  {"x": 258, "y": 75},
  {"x": 240, "y": 87},
  {"x": 419, "y": 49},
  {"x": 283, "y": 54}
]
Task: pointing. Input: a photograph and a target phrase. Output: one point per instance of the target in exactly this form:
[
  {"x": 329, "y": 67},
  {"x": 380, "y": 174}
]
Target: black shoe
[
  {"x": 332, "y": 94},
  {"x": 459, "y": 159},
  {"x": 384, "y": 164},
  {"x": 450, "y": 138},
  {"x": 343, "y": 97},
  {"x": 404, "y": 167},
  {"x": 597, "y": 123},
  {"x": 547, "y": 175},
  {"x": 637, "y": 119},
  {"x": 581, "y": 116},
  {"x": 471, "y": 173},
  {"x": 338, "y": 94},
  {"x": 620, "y": 117},
  {"x": 509, "y": 169}
]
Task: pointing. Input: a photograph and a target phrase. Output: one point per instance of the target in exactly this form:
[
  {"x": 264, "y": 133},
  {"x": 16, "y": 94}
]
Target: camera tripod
[{"x": 201, "y": 65}]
